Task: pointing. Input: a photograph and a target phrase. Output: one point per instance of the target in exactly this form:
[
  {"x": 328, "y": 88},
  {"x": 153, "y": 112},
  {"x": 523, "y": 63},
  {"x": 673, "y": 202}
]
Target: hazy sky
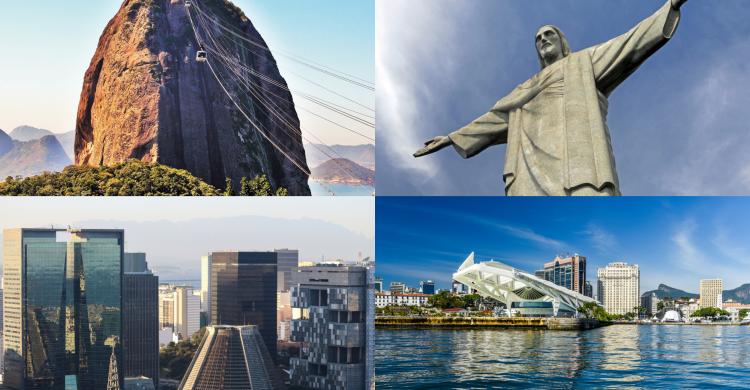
[
  {"x": 47, "y": 47},
  {"x": 676, "y": 241},
  {"x": 679, "y": 125},
  {"x": 175, "y": 232}
]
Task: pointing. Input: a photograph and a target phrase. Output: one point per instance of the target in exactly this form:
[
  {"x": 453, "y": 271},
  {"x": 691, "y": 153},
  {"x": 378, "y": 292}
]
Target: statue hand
[
  {"x": 676, "y": 4},
  {"x": 434, "y": 145}
]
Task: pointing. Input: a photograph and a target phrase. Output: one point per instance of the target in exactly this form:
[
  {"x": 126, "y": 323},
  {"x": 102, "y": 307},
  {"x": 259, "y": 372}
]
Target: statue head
[{"x": 551, "y": 45}]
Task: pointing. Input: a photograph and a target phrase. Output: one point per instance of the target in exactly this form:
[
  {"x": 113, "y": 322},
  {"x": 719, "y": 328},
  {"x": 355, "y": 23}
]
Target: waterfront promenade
[{"x": 459, "y": 322}]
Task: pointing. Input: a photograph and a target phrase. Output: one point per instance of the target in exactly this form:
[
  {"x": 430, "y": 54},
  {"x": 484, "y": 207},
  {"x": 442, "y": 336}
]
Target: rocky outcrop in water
[{"x": 145, "y": 97}]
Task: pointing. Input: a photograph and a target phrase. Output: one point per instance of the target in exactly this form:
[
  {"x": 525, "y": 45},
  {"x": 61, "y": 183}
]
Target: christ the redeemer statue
[{"x": 555, "y": 122}]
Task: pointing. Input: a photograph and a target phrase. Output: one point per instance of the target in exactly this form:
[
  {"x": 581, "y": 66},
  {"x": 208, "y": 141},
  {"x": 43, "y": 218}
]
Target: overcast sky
[
  {"x": 676, "y": 241},
  {"x": 679, "y": 125},
  {"x": 47, "y": 47},
  {"x": 176, "y": 232}
]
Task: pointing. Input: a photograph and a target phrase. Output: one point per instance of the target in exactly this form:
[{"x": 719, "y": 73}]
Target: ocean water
[
  {"x": 319, "y": 189},
  {"x": 618, "y": 356}
]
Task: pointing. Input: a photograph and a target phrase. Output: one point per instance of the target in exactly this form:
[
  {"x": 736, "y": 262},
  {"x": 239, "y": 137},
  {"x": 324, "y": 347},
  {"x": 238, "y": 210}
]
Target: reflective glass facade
[
  {"x": 243, "y": 292},
  {"x": 68, "y": 295}
]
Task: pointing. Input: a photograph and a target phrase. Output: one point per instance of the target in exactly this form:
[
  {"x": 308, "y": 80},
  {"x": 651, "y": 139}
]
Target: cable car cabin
[{"x": 202, "y": 56}]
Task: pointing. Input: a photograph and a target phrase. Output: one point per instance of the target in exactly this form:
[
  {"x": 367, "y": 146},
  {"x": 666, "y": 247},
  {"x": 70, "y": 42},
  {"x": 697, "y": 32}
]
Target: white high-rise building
[
  {"x": 206, "y": 285},
  {"x": 166, "y": 306},
  {"x": 619, "y": 287},
  {"x": 711, "y": 293},
  {"x": 187, "y": 312}
]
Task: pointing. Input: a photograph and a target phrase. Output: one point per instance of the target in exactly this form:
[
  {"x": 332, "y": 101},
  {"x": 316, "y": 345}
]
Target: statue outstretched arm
[
  {"x": 618, "y": 58},
  {"x": 488, "y": 130}
]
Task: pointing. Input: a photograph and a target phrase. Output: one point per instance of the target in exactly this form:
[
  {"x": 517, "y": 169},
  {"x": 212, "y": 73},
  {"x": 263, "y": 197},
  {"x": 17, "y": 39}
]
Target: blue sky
[
  {"x": 679, "y": 125},
  {"x": 176, "y": 232},
  {"x": 676, "y": 241},
  {"x": 47, "y": 46}
]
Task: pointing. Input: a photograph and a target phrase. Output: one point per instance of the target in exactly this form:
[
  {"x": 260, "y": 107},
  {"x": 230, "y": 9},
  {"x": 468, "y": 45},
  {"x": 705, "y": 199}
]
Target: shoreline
[
  {"x": 487, "y": 323},
  {"x": 546, "y": 323}
]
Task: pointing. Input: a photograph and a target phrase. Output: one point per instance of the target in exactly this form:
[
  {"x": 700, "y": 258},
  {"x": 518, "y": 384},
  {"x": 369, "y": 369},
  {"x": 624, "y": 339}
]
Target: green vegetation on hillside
[
  {"x": 174, "y": 359},
  {"x": 131, "y": 178}
]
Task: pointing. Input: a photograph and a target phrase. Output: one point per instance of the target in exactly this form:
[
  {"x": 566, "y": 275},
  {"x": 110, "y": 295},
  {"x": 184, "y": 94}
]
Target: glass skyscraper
[
  {"x": 63, "y": 303},
  {"x": 569, "y": 272},
  {"x": 140, "y": 327},
  {"x": 243, "y": 292}
]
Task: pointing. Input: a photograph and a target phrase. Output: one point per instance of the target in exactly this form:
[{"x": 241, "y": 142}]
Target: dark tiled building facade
[
  {"x": 141, "y": 325},
  {"x": 243, "y": 292}
]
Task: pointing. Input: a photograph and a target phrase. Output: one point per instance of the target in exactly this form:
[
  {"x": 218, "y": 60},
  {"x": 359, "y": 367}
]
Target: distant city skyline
[
  {"x": 675, "y": 241},
  {"x": 176, "y": 233}
]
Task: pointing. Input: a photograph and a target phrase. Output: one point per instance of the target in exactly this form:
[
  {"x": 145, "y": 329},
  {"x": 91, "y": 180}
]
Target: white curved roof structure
[{"x": 508, "y": 285}]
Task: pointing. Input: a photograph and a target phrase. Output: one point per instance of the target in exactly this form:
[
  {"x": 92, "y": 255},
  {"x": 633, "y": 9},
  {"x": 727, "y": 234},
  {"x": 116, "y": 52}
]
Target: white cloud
[{"x": 600, "y": 238}]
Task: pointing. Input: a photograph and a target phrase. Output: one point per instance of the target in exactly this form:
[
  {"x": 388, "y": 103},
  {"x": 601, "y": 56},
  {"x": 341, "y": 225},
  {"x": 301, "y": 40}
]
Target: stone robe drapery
[{"x": 585, "y": 79}]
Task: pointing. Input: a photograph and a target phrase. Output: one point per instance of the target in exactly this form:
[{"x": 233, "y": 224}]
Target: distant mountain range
[
  {"x": 363, "y": 155},
  {"x": 29, "y": 151},
  {"x": 343, "y": 171},
  {"x": 28, "y": 133},
  {"x": 739, "y": 294}
]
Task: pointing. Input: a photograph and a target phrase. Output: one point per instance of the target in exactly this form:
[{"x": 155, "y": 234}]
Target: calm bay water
[
  {"x": 319, "y": 189},
  {"x": 618, "y": 356}
]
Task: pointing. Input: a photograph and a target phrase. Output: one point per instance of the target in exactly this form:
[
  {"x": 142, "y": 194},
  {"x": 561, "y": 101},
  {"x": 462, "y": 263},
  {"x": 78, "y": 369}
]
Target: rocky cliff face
[{"x": 145, "y": 97}]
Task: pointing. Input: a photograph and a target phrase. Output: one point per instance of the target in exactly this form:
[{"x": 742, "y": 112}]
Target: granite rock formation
[
  {"x": 363, "y": 155},
  {"x": 145, "y": 97},
  {"x": 6, "y": 143},
  {"x": 33, "y": 157},
  {"x": 28, "y": 133},
  {"x": 341, "y": 170}
]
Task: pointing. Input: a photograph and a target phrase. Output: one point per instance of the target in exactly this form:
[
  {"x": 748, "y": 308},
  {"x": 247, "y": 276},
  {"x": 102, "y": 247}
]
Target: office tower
[
  {"x": 287, "y": 261},
  {"x": 398, "y": 288},
  {"x": 187, "y": 312},
  {"x": 459, "y": 288},
  {"x": 711, "y": 291},
  {"x": 333, "y": 319},
  {"x": 588, "y": 289},
  {"x": 140, "y": 326},
  {"x": 135, "y": 262},
  {"x": 166, "y": 306},
  {"x": 206, "y": 285},
  {"x": 232, "y": 358},
  {"x": 378, "y": 284},
  {"x": 427, "y": 287},
  {"x": 619, "y": 287},
  {"x": 2, "y": 287},
  {"x": 62, "y": 307},
  {"x": 568, "y": 272},
  {"x": 650, "y": 302},
  {"x": 243, "y": 292}
]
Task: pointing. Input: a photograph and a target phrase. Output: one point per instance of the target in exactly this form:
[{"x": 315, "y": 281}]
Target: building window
[
  {"x": 317, "y": 369},
  {"x": 318, "y": 297},
  {"x": 345, "y": 317},
  {"x": 300, "y": 314},
  {"x": 343, "y": 355}
]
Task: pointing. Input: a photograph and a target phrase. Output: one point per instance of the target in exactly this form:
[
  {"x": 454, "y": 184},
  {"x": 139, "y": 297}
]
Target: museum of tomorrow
[{"x": 522, "y": 293}]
